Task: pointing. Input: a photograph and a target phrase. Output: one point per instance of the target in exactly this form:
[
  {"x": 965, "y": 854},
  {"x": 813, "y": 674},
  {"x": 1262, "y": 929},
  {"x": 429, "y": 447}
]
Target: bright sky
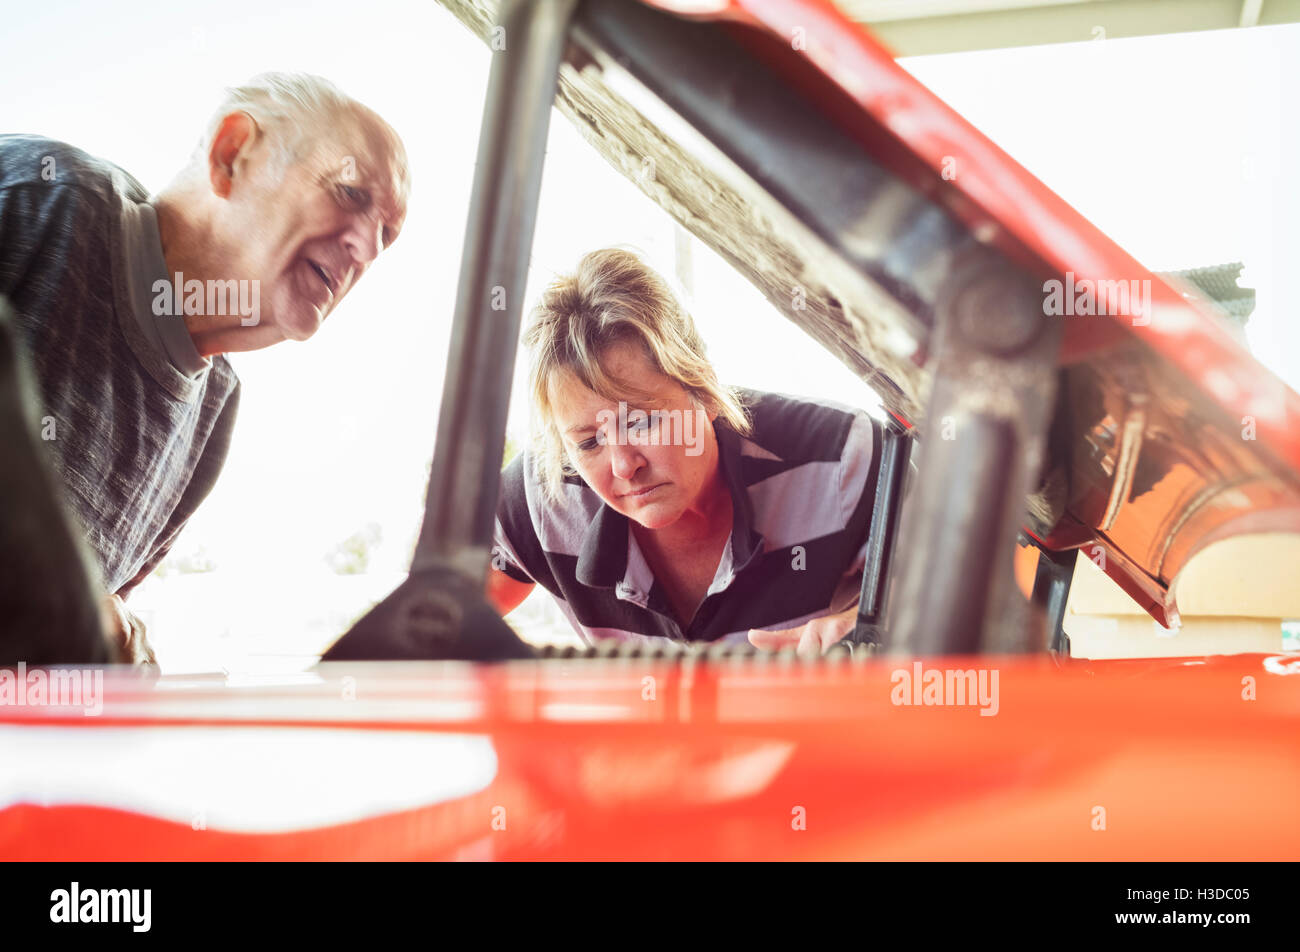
[{"x": 1178, "y": 147}]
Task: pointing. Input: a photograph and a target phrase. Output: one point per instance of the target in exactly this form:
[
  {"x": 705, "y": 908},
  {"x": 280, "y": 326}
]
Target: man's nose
[
  {"x": 364, "y": 239},
  {"x": 625, "y": 460}
]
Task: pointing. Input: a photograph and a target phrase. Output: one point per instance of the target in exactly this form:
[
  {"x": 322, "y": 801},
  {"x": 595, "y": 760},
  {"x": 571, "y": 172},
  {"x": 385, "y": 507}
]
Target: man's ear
[{"x": 235, "y": 137}]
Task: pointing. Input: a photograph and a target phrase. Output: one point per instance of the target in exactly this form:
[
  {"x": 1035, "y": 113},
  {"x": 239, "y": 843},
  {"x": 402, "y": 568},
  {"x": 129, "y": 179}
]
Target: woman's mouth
[{"x": 642, "y": 493}]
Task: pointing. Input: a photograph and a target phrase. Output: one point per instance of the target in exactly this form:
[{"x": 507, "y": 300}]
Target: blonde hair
[{"x": 613, "y": 297}]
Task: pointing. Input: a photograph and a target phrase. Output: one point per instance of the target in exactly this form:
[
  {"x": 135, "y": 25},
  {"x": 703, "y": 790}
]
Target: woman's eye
[
  {"x": 353, "y": 196},
  {"x": 638, "y": 420}
]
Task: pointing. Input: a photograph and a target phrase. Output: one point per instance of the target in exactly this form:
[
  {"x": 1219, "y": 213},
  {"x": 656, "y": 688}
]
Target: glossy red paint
[{"x": 738, "y": 760}]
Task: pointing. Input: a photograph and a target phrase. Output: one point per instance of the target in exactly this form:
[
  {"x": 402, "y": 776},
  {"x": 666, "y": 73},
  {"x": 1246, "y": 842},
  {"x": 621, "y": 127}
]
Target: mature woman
[{"x": 658, "y": 503}]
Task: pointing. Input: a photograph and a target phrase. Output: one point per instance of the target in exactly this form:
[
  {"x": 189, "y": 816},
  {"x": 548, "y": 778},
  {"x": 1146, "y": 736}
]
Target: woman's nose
[{"x": 625, "y": 460}]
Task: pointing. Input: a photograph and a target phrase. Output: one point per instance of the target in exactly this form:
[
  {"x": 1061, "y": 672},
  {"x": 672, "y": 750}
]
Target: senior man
[{"x": 125, "y": 303}]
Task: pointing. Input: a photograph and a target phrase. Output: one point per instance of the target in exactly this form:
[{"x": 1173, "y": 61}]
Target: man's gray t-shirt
[
  {"x": 137, "y": 442},
  {"x": 145, "y": 266}
]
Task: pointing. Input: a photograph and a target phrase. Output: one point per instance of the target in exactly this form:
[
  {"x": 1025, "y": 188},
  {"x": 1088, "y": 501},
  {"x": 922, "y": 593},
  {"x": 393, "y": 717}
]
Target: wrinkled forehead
[{"x": 366, "y": 148}]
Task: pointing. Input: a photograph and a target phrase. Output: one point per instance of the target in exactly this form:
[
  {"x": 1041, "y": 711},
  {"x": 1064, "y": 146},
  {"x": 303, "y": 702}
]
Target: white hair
[{"x": 288, "y": 107}]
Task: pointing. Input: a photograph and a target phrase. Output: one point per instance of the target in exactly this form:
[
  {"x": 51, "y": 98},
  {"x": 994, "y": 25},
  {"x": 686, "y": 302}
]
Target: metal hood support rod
[
  {"x": 995, "y": 377},
  {"x": 440, "y": 611},
  {"x": 462, "y": 499}
]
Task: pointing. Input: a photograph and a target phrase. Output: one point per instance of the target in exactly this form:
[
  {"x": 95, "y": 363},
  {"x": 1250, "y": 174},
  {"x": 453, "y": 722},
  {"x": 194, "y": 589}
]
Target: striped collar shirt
[{"x": 802, "y": 487}]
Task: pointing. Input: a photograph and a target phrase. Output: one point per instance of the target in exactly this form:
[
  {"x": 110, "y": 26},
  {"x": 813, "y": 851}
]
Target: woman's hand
[{"x": 810, "y": 639}]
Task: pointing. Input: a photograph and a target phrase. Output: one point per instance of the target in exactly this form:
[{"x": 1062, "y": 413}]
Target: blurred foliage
[
  {"x": 512, "y": 449},
  {"x": 188, "y": 562},
  {"x": 352, "y": 555}
]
